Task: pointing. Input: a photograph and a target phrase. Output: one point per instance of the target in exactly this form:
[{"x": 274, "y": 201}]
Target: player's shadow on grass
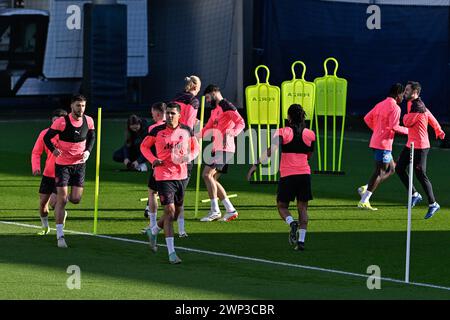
[{"x": 345, "y": 251}]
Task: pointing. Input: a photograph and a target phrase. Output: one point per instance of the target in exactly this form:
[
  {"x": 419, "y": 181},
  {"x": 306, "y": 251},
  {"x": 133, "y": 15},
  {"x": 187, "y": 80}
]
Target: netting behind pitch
[{"x": 192, "y": 37}]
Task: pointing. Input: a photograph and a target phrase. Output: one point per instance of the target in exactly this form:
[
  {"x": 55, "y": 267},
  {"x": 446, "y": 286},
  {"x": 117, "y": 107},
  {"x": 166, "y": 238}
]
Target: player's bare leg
[
  {"x": 208, "y": 176},
  {"x": 52, "y": 201},
  {"x": 152, "y": 206},
  {"x": 180, "y": 219},
  {"x": 222, "y": 194},
  {"x": 381, "y": 173},
  {"x": 43, "y": 212},
  {"x": 302, "y": 208},
  {"x": 211, "y": 185},
  {"x": 75, "y": 194},
  {"x": 61, "y": 201},
  {"x": 283, "y": 210},
  {"x": 170, "y": 214}
]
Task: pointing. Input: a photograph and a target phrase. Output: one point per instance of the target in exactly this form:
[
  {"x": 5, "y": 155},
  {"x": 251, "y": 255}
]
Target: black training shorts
[
  {"x": 70, "y": 175},
  {"x": 171, "y": 191},
  {"x": 151, "y": 181},
  {"x": 47, "y": 185},
  {"x": 294, "y": 186},
  {"x": 219, "y": 160}
]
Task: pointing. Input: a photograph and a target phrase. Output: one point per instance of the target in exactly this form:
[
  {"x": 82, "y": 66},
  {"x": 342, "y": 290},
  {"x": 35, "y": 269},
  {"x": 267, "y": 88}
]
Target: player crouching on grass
[
  {"x": 384, "y": 121},
  {"x": 47, "y": 189},
  {"x": 175, "y": 146},
  {"x": 297, "y": 145},
  {"x": 417, "y": 120}
]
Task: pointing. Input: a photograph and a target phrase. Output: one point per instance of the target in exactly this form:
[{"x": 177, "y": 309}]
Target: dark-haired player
[
  {"x": 47, "y": 189},
  {"x": 175, "y": 146},
  {"x": 417, "y": 120},
  {"x": 384, "y": 121},
  {"x": 158, "y": 110},
  {"x": 225, "y": 123},
  {"x": 76, "y": 134},
  {"x": 189, "y": 104},
  {"x": 297, "y": 144}
]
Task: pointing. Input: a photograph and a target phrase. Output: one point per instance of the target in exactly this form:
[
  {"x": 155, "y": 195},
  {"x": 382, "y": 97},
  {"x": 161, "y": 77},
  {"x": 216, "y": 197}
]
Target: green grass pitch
[{"x": 340, "y": 236}]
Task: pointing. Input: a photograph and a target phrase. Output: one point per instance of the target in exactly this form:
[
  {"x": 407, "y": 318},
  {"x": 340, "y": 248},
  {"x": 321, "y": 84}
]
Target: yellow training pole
[
  {"x": 97, "y": 168},
  {"x": 199, "y": 160}
]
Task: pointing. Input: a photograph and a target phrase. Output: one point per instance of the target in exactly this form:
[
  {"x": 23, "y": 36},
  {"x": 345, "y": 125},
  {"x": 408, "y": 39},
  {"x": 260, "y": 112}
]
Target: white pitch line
[{"x": 278, "y": 263}]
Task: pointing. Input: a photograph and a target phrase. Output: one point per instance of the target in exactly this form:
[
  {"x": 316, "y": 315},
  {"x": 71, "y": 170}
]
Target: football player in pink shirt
[
  {"x": 188, "y": 101},
  {"x": 225, "y": 123},
  {"x": 384, "y": 121},
  {"x": 175, "y": 146},
  {"x": 47, "y": 189},
  {"x": 76, "y": 134},
  {"x": 189, "y": 104},
  {"x": 417, "y": 120},
  {"x": 159, "y": 117},
  {"x": 297, "y": 144}
]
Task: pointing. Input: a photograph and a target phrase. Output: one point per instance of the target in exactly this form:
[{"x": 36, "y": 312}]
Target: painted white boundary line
[{"x": 285, "y": 264}]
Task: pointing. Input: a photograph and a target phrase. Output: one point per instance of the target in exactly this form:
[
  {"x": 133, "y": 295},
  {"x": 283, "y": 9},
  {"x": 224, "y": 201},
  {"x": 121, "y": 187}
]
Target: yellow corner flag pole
[
  {"x": 97, "y": 168},
  {"x": 199, "y": 159}
]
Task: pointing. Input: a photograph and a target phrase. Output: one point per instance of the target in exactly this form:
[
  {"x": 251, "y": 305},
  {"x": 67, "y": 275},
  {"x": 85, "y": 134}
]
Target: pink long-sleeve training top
[
  {"x": 71, "y": 152},
  {"x": 417, "y": 124},
  {"x": 174, "y": 146},
  {"x": 384, "y": 121},
  {"x": 38, "y": 149},
  {"x": 225, "y": 123}
]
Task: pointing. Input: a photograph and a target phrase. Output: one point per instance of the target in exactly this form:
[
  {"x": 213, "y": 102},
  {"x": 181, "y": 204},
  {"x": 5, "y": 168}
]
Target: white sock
[
  {"x": 152, "y": 217},
  {"x": 215, "y": 205},
  {"x": 366, "y": 196},
  {"x": 181, "y": 221},
  {"x": 364, "y": 187},
  {"x": 433, "y": 204},
  {"x": 44, "y": 221},
  {"x": 59, "y": 231},
  {"x": 156, "y": 229},
  {"x": 170, "y": 245},
  {"x": 228, "y": 205},
  {"x": 301, "y": 235},
  {"x": 289, "y": 219},
  {"x": 415, "y": 194}
]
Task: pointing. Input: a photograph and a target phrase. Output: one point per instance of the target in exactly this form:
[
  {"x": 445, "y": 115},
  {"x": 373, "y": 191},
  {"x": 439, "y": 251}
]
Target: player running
[
  {"x": 384, "y": 121},
  {"x": 297, "y": 145},
  {"x": 175, "y": 146},
  {"x": 159, "y": 117},
  {"x": 47, "y": 189},
  {"x": 225, "y": 123},
  {"x": 417, "y": 121},
  {"x": 189, "y": 105},
  {"x": 76, "y": 135}
]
